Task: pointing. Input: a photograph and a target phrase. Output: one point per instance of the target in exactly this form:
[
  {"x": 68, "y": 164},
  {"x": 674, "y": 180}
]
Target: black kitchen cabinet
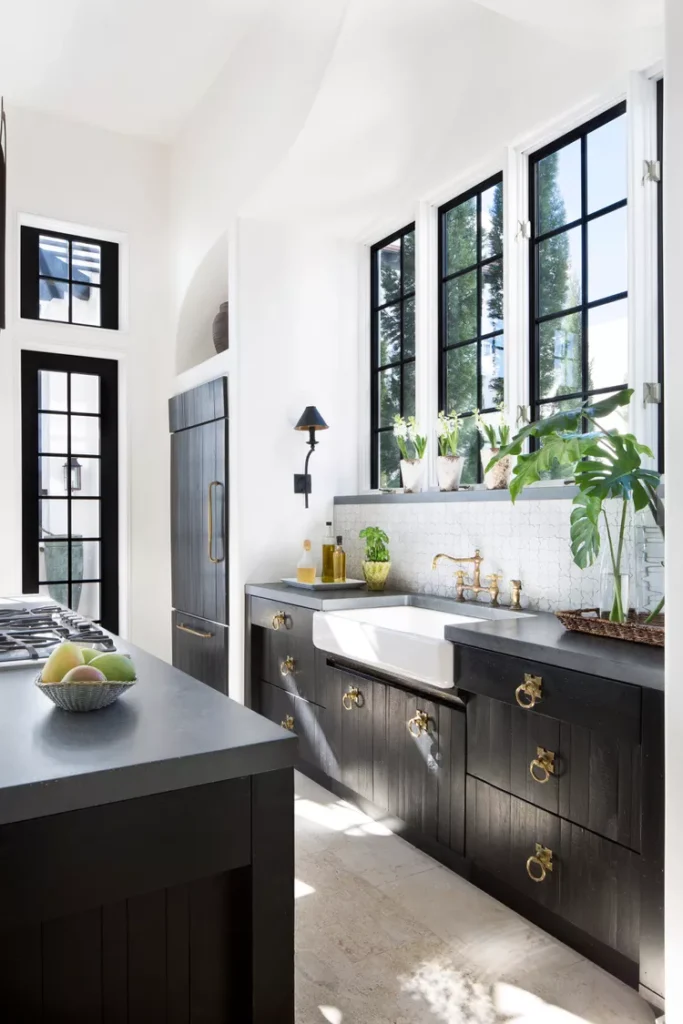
[{"x": 199, "y": 531}]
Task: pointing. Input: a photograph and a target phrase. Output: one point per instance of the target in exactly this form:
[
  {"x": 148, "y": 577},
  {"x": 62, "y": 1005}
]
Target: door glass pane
[
  {"x": 85, "y": 392},
  {"x": 54, "y": 300},
  {"x": 461, "y": 378},
  {"x": 389, "y": 472},
  {"x": 389, "y": 395},
  {"x": 461, "y": 308},
  {"x": 460, "y": 236},
  {"x": 85, "y": 599},
  {"x": 606, "y": 164},
  {"x": 409, "y": 263},
  {"x": 89, "y": 476},
  {"x": 85, "y": 560},
  {"x": 559, "y": 272},
  {"x": 389, "y": 334},
  {"x": 53, "y": 517},
  {"x": 52, "y": 432},
  {"x": 492, "y": 372},
  {"x": 85, "y": 518},
  {"x": 607, "y": 272},
  {"x": 53, "y": 257},
  {"x": 409, "y": 328},
  {"x": 389, "y": 272},
  {"x": 608, "y": 345},
  {"x": 492, "y": 221},
  {"x": 86, "y": 262},
  {"x": 52, "y": 480},
  {"x": 558, "y": 188},
  {"x": 85, "y": 305},
  {"x": 85, "y": 435},
  {"x": 53, "y": 560},
  {"x": 468, "y": 446},
  {"x": 52, "y": 390},
  {"x": 559, "y": 356},
  {"x": 55, "y": 592},
  {"x": 492, "y": 297}
]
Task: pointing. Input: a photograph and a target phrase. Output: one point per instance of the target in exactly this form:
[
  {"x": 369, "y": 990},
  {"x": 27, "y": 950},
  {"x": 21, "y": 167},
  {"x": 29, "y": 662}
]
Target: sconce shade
[{"x": 311, "y": 419}]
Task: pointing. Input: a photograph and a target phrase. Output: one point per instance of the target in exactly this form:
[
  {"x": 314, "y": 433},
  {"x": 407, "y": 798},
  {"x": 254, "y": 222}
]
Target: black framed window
[
  {"x": 69, "y": 279},
  {"x": 660, "y": 267},
  {"x": 69, "y": 410},
  {"x": 471, "y": 328},
  {"x": 392, "y": 336},
  {"x": 578, "y": 272}
]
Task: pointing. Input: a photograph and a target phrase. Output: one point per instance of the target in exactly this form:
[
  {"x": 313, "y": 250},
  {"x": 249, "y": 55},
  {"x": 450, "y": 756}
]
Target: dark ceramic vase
[{"x": 220, "y": 328}]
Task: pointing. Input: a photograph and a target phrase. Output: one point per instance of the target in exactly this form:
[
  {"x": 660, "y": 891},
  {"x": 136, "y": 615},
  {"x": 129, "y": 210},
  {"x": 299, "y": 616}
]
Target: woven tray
[{"x": 586, "y": 620}]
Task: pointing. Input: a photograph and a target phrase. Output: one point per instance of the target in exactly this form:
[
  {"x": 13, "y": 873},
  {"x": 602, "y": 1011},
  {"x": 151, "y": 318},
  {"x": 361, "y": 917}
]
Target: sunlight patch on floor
[
  {"x": 340, "y": 816},
  {"x": 302, "y": 888},
  {"x": 331, "y": 1014}
]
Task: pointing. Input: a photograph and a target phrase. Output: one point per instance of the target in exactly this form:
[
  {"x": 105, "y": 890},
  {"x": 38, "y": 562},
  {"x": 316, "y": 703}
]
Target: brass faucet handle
[
  {"x": 515, "y": 595},
  {"x": 494, "y": 577}
]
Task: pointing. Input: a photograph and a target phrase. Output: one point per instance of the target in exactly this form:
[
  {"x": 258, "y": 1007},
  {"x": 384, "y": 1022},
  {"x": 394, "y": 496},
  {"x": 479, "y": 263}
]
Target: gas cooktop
[{"x": 30, "y": 631}]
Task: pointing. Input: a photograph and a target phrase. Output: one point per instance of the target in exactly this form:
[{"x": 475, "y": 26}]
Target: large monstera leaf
[
  {"x": 613, "y": 470},
  {"x": 584, "y": 529}
]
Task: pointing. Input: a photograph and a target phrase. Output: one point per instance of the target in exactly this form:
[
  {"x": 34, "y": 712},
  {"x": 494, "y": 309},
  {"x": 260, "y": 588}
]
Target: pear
[
  {"x": 62, "y": 659},
  {"x": 89, "y": 653},
  {"x": 84, "y": 674},
  {"x": 116, "y": 667}
]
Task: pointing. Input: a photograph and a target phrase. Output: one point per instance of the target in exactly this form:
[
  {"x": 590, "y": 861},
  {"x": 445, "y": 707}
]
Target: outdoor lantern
[{"x": 75, "y": 475}]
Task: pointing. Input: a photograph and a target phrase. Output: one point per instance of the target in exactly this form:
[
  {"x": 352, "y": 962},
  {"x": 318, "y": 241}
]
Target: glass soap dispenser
[
  {"x": 339, "y": 562},
  {"x": 305, "y": 570}
]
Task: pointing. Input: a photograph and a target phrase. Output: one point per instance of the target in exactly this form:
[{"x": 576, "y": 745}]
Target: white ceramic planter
[
  {"x": 412, "y": 471},
  {"x": 448, "y": 471},
  {"x": 497, "y": 478}
]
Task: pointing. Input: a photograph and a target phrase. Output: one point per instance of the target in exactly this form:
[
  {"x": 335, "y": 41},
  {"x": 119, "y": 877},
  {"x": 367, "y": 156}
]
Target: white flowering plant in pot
[
  {"x": 408, "y": 433},
  {"x": 449, "y": 464},
  {"x": 496, "y": 434}
]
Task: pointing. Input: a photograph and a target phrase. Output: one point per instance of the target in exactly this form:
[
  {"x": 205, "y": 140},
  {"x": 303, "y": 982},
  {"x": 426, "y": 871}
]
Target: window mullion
[{"x": 516, "y": 283}]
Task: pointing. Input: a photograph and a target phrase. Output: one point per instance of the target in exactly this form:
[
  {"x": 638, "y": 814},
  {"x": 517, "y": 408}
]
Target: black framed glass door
[{"x": 70, "y": 482}]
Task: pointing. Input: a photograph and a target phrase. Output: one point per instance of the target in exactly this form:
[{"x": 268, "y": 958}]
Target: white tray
[{"x": 318, "y": 584}]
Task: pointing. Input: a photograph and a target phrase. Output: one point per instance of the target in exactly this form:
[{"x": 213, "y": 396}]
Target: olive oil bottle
[
  {"x": 339, "y": 562},
  {"x": 328, "y": 555}
]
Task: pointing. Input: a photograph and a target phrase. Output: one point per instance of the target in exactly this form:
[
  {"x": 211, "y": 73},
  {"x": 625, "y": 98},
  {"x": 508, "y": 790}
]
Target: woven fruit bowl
[{"x": 83, "y": 696}]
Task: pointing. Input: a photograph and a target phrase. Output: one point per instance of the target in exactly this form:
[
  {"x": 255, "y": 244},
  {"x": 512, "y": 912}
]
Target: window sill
[{"x": 541, "y": 492}]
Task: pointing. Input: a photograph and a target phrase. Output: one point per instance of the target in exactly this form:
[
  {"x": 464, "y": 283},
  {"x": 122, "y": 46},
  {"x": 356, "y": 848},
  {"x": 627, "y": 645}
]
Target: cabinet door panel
[
  {"x": 200, "y": 648},
  {"x": 594, "y": 883},
  {"x": 353, "y": 744},
  {"x": 199, "y": 502}
]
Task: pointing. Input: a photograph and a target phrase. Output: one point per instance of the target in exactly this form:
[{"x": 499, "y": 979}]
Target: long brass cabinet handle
[
  {"x": 287, "y": 666},
  {"x": 288, "y": 723},
  {"x": 418, "y": 724},
  {"x": 353, "y": 698},
  {"x": 530, "y": 692},
  {"x": 540, "y": 863},
  {"x": 193, "y": 632},
  {"x": 542, "y": 766},
  {"x": 212, "y": 558}
]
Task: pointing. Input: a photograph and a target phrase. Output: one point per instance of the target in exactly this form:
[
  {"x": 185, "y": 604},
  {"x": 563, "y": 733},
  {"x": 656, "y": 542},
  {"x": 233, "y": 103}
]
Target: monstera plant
[{"x": 605, "y": 465}]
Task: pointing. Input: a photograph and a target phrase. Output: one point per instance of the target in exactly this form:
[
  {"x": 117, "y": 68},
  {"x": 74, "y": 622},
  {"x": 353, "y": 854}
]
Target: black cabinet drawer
[
  {"x": 598, "y": 704},
  {"x": 200, "y": 648},
  {"x": 284, "y": 654},
  {"x": 288, "y": 619},
  {"x": 590, "y": 882},
  {"x": 590, "y": 778},
  {"x": 293, "y": 713}
]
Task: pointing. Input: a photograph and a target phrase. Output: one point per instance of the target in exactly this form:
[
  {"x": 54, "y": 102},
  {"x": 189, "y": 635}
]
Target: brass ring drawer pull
[
  {"x": 287, "y": 666},
  {"x": 529, "y": 693},
  {"x": 540, "y": 863},
  {"x": 418, "y": 724},
  {"x": 288, "y": 723},
  {"x": 353, "y": 698},
  {"x": 542, "y": 766},
  {"x": 280, "y": 620},
  {"x": 194, "y": 632}
]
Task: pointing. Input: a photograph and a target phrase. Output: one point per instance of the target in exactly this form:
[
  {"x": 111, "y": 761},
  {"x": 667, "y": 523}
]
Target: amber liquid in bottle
[
  {"x": 339, "y": 562},
  {"x": 305, "y": 570},
  {"x": 328, "y": 556}
]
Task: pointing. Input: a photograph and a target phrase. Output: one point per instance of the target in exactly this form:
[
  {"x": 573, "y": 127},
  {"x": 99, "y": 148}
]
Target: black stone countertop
[
  {"x": 535, "y": 635},
  {"x": 169, "y": 732}
]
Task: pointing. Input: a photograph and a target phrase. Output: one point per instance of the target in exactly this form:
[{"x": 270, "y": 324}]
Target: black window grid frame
[
  {"x": 580, "y": 133},
  {"x": 376, "y": 368},
  {"x": 479, "y": 265},
  {"x": 31, "y": 277}
]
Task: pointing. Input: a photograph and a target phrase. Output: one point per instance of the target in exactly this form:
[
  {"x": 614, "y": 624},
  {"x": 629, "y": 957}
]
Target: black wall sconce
[{"x": 310, "y": 420}]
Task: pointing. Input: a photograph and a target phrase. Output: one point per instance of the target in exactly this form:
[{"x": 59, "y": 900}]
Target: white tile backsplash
[{"x": 527, "y": 541}]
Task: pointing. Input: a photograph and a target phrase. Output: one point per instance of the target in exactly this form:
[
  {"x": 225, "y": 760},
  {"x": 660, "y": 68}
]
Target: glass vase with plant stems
[{"x": 606, "y": 465}]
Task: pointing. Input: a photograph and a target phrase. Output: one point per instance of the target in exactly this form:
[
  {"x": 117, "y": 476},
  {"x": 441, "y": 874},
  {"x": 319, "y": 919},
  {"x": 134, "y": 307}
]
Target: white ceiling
[
  {"x": 135, "y": 66},
  {"x": 140, "y": 66}
]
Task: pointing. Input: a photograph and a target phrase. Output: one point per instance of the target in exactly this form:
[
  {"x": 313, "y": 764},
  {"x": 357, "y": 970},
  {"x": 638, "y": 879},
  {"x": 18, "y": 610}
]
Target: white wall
[
  {"x": 673, "y": 269},
  {"x": 109, "y": 183},
  {"x": 296, "y": 320}
]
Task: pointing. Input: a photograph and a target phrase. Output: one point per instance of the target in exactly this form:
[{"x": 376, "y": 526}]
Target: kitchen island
[{"x": 146, "y": 856}]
